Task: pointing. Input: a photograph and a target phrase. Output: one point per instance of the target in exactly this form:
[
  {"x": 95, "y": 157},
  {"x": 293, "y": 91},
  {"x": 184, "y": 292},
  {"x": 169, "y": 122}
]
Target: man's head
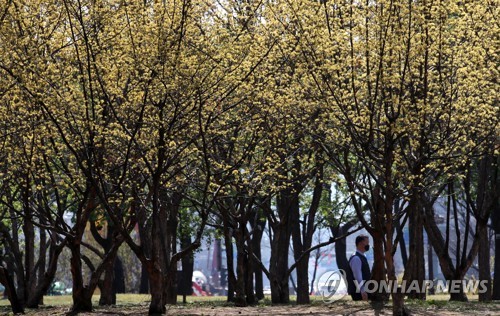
[{"x": 362, "y": 243}]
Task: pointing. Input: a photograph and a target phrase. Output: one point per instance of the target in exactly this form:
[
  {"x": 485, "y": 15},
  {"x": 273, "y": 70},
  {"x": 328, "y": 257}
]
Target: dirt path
[
  {"x": 333, "y": 309},
  {"x": 337, "y": 308}
]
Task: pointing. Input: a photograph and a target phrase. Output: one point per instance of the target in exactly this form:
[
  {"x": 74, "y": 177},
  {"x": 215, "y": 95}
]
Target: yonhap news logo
[
  {"x": 414, "y": 286},
  {"x": 332, "y": 286}
]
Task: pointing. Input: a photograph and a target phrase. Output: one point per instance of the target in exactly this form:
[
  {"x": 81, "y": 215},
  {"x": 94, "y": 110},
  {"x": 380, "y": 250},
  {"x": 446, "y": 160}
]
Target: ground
[{"x": 130, "y": 304}]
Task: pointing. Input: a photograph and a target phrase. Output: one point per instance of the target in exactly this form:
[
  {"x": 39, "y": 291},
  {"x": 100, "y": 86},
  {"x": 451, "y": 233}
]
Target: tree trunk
[
  {"x": 341, "y": 245},
  {"x": 303, "y": 282},
  {"x": 249, "y": 271},
  {"x": 435, "y": 238},
  {"x": 258, "y": 223},
  {"x": 302, "y": 267},
  {"x": 415, "y": 269},
  {"x": 398, "y": 303},
  {"x": 299, "y": 246},
  {"x": 312, "y": 288},
  {"x": 45, "y": 280},
  {"x": 42, "y": 262},
  {"x": 249, "y": 281},
  {"x": 144, "y": 285},
  {"x": 450, "y": 272},
  {"x": 157, "y": 304},
  {"x": 107, "y": 286},
  {"x": 157, "y": 265},
  {"x": 240, "y": 297},
  {"x": 145, "y": 228},
  {"x": 459, "y": 296},
  {"x": 397, "y": 296},
  {"x": 302, "y": 238},
  {"x": 231, "y": 278},
  {"x": 162, "y": 264},
  {"x": 10, "y": 289},
  {"x": 171, "y": 285},
  {"x": 82, "y": 294},
  {"x": 108, "y": 295},
  {"x": 82, "y": 301},
  {"x": 119, "y": 279},
  {"x": 430, "y": 262},
  {"x": 495, "y": 221},
  {"x": 279, "y": 266},
  {"x": 484, "y": 265},
  {"x": 170, "y": 211},
  {"x": 216, "y": 268},
  {"x": 400, "y": 234},
  {"x": 496, "y": 281},
  {"x": 29, "y": 246},
  {"x": 280, "y": 243},
  {"x": 187, "y": 268},
  {"x": 378, "y": 269},
  {"x": 402, "y": 244},
  {"x": 259, "y": 279}
]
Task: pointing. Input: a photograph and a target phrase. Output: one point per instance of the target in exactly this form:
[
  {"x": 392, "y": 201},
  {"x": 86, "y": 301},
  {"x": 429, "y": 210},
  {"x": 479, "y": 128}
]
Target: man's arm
[{"x": 355, "y": 264}]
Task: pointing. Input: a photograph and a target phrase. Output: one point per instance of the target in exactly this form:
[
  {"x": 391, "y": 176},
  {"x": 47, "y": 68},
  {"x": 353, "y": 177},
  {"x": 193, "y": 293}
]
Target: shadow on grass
[
  {"x": 138, "y": 305},
  {"x": 378, "y": 307}
]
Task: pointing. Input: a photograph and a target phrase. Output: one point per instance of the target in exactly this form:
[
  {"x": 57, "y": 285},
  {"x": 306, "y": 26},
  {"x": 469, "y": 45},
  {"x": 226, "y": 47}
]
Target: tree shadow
[{"x": 378, "y": 307}]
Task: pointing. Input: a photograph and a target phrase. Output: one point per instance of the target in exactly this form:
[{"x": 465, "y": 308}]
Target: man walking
[{"x": 359, "y": 270}]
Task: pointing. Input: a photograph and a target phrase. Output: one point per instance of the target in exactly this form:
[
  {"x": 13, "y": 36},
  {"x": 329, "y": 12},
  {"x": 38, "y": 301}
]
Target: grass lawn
[
  {"x": 137, "y": 304},
  {"x": 123, "y": 299}
]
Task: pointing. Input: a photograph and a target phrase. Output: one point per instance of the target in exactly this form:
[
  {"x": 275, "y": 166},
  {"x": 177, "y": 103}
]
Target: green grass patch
[{"x": 138, "y": 304}]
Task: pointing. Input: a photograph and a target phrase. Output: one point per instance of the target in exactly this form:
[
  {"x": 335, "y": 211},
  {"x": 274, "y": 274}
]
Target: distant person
[{"x": 359, "y": 270}]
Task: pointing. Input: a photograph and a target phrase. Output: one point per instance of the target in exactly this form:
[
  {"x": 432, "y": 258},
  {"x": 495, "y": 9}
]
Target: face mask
[{"x": 367, "y": 247}]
